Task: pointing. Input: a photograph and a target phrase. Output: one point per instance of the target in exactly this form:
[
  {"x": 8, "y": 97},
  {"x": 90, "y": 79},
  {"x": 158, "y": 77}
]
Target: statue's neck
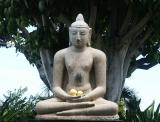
[{"x": 78, "y": 49}]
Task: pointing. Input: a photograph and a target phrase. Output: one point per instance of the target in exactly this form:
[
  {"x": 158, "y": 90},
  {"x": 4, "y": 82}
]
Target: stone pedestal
[
  {"x": 76, "y": 118},
  {"x": 74, "y": 121},
  {"x": 54, "y": 118}
]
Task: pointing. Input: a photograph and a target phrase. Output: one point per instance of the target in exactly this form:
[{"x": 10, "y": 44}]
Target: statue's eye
[
  {"x": 74, "y": 33},
  {"x": 82, "y": 33}
]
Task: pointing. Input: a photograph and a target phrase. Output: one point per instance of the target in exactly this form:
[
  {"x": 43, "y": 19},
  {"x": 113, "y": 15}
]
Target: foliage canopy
[{"x": 123, "y": 29}]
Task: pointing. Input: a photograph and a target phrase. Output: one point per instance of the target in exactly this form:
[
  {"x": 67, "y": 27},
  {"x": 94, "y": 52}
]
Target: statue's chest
[{"x": 80, "y": 61}]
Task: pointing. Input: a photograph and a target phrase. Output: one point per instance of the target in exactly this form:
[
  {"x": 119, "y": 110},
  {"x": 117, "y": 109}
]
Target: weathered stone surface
[
  {"x": 79, "y": 81},
  {"x": 76, "y": 118},
  {"x": 74, "y": 121},
  {"x": 67, "y": 120}
]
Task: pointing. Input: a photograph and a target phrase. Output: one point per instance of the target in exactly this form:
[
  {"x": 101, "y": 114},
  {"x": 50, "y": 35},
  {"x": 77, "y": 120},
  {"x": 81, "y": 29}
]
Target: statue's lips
[{"x": 78, "y": 43}]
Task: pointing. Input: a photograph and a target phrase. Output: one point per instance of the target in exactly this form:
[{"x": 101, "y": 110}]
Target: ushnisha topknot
[
  {"x": 80, "y": 22},
  {"x": 79, "y": 17}
]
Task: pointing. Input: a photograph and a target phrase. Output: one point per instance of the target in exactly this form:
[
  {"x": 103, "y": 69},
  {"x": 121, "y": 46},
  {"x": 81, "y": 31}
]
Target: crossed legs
[{"x": 97, "y": 107}]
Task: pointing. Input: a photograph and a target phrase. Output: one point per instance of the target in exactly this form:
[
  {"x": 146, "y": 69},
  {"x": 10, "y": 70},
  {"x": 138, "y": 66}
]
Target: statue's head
[{"x": 80, "y": 32}]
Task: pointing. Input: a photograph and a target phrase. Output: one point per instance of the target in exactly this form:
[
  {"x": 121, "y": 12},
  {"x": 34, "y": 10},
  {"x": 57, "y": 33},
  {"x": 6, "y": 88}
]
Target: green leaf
[
  {"x": 12, "y": 26},
  {"x": 150, "y": 110},
  {"x": 17, "y": 108},
  {"x": 157, "y": 114}
]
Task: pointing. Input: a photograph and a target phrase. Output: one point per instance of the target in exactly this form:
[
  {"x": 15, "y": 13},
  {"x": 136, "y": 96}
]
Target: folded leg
[
  {"x": 54, "y": 105},
  {"x": 102, "y": 107}
]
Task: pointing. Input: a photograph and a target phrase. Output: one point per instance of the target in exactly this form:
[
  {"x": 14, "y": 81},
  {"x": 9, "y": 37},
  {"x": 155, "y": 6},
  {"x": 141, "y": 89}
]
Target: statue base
[
  {"x": 55, "y": 118},
  {"x": 74, "y": 121}
]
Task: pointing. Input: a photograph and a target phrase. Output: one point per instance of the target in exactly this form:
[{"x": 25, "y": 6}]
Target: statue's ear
[
  {"x": 89, "y": 41},
  {"x": 70, "y": 43},
  {"x": 90, "y": 31}
]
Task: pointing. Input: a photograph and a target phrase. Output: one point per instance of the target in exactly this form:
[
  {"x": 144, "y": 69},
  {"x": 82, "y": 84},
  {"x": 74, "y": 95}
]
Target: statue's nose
[{"x": 78, "y": 37}]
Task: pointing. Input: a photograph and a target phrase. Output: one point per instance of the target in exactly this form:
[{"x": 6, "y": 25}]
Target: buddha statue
[{"x": 79, "y": 78}]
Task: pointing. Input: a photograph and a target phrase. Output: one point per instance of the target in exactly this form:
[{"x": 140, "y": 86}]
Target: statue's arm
[
  {"x": 58, "y": 70},
  {"x": 100, "y": 76}
]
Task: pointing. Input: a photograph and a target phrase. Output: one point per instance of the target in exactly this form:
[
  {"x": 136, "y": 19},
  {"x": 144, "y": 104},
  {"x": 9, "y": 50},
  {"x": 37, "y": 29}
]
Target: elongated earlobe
[
  {"x": 89, "y": 38},
  {"x": 90, "y": 31},
  {"x": 70, "y": 44}
]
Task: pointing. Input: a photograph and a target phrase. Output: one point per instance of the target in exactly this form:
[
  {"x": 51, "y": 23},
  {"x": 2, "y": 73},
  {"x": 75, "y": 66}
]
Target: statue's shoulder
[
  {"x": 98, "y": 53},
  {"x": 61, "y": 53}
]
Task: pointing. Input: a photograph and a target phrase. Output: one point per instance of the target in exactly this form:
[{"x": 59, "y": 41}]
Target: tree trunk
[
  {"x": 47, "y": 62},
  {"x": 115, "y": 75}
]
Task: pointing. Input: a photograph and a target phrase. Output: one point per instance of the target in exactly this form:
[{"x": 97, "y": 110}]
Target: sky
[{"x": 16, "y": 72}]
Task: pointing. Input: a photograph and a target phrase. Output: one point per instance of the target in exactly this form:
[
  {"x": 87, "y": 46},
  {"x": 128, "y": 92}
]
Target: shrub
[
  {"x": 129, "y": 109},
  {"x": 16, "y": 107}
]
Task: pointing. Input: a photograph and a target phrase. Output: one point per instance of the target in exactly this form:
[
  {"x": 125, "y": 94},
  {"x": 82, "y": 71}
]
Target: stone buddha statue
[{"x": 79, "y": 81}]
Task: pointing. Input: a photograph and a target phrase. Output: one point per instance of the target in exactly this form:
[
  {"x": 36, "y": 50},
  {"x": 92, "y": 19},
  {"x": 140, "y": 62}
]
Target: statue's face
[{"x": 79, "y": 37}]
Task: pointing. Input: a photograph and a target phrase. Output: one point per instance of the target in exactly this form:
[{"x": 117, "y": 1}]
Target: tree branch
[
  {"x": 145, "y": 37},
  {"x": 93, "y": 13},
  {"x": 133, "y": 51},
  {"x": 98, "y": 41},
  {"x": 42, "y": 75},
  {"x": 62, "y": 18},
  {"x": 136, "y": 44},
  {"x": 146, "y": 67},
  {"x": 113, "y": 21},
  {"x": 137, "y": 27},
  {"x": 47, "y": 64},
  {"x": 53, "y": 25},
  {"x": 143, "y": 63},
  {"x": 25, "y": 32},
  {"x": 127, "y": 19},
  {"x": 37, "y": 21},
  {"x": 44, "y": 23},
  {"x": 3, "y": 44},
  {"x": 5, "y": 39}
]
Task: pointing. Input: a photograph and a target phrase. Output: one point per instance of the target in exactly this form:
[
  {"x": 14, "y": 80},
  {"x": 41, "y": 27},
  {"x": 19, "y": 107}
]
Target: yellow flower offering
[
  {"x": 73, "y": 92},
  {"x": 80, "y": 93}
]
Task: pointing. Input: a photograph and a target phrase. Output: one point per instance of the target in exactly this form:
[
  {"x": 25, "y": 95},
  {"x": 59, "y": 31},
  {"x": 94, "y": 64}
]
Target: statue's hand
[
  {"x": 78, "y": 99},
  {"x": 72, "y": 98}
]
